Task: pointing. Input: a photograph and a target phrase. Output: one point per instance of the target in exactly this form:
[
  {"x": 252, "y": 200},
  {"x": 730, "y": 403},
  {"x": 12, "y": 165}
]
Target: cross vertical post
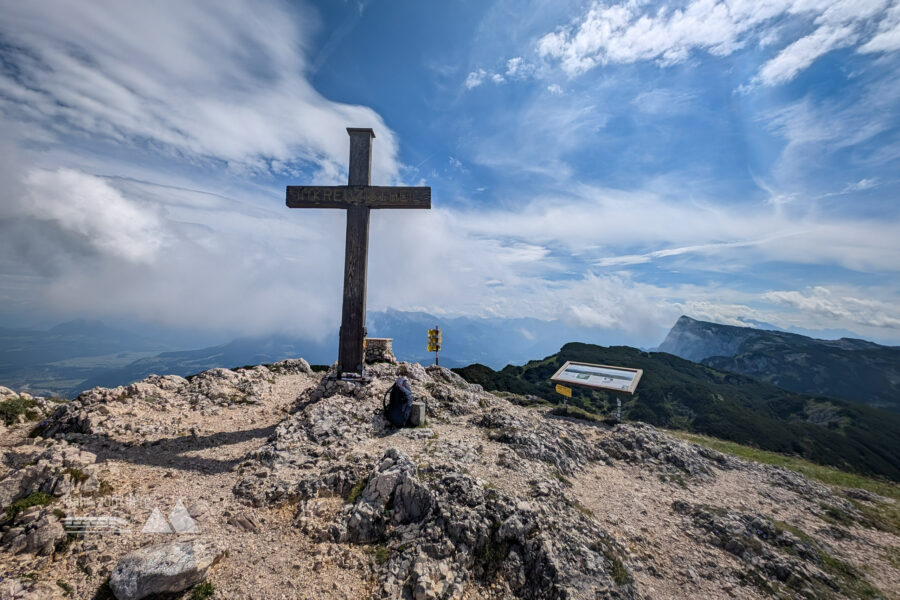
[
  {"x": 358, "y": 198},
  {"x": 353, "y": 316}
]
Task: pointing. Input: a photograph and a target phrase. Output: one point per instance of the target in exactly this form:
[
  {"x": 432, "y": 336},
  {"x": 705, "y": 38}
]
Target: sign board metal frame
[{"x": 601, "y": 377}]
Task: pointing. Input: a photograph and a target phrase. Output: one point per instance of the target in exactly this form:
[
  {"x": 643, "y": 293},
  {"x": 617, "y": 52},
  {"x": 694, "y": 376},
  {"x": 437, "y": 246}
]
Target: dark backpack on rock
[{"x": 398, "y": 408}]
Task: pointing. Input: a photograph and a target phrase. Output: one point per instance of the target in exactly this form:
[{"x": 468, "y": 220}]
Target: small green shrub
[
  {"x": 581, "y": 508},
  {"x": 104, "y": 592},
  {"x": 202, "y": 591},
  {"x": 676, "y": 478},
  {"x": 380, "y": 553},
  {"x": 562, "y": 478},
  {"x": 618, "y": 570},
  {"x": 12, "y": 408},
  {"x": 836, "y": 515},
  {"x": 35, "y": 499}
]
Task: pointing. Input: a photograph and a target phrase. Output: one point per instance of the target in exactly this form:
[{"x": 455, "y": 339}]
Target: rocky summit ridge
[{"x": 277, "y": 482}]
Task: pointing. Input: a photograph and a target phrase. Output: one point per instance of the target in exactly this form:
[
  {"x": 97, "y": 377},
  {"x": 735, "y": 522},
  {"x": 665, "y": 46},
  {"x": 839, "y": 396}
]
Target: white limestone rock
[{"x": 163, "y": 569}]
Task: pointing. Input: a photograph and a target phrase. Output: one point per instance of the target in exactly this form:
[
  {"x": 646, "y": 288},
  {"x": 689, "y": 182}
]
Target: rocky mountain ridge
[
  {"x": 298, "y": 488},
  {"x": 847, "y": 368},
  {"x": 684, "y": 395}
]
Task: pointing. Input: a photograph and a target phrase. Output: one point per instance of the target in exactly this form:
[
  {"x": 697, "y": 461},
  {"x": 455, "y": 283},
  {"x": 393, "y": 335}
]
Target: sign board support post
[
  {"x": 566, "y": 393},
  {"x": 618, "y": 408}
]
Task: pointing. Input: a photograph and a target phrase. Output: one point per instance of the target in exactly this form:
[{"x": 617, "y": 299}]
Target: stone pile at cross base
[{"x": 301, "y": 489}]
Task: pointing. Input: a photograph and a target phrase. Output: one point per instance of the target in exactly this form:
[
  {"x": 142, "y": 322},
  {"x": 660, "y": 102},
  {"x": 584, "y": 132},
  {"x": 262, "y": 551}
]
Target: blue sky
[{"x": 610, "y": 164}]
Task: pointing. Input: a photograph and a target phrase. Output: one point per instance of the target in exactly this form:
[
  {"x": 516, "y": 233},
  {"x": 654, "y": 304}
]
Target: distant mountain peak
[
  {"x": 696, "y": 340},
  {"x": 848, "y": 368}
]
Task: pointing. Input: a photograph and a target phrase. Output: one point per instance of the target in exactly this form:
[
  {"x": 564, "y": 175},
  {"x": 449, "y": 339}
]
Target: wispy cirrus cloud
[
  {"x": 816, "y": 129},
  {"x": 220, "y": 87},
  {"x": 591, "y": 222},
  {"x": 630, "y": 32}
]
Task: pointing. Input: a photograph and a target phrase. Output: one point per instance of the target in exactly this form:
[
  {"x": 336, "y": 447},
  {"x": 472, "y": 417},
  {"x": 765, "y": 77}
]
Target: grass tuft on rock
[
  {"x": 65, "y": 586},
  {"x": 77, "y": 475},
  {"x": 356, "y": 492},
  {"x": 576, "y": 413},
  {"x": 617, "y": 568}
]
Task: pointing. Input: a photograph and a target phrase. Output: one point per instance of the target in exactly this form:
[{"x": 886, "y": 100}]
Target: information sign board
[{"x": 603, "y": 377}]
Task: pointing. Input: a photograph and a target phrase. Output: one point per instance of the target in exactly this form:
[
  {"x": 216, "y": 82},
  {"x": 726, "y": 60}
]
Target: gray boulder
[
  {"x": 393, "y": 484},
  {"x": 163, "y": 569},
  {"x": 35, "y": 531}
]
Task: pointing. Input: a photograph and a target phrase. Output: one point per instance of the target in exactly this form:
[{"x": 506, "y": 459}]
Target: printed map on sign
[{"x": 619, "y": 379}]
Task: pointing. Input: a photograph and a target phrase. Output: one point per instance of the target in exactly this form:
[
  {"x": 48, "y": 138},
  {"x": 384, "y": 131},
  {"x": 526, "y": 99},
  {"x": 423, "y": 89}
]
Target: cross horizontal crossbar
[{"x": 345, "y": 196}]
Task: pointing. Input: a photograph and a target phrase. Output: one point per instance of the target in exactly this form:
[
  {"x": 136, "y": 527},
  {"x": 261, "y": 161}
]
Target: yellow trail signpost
[{"x": 434, "y": 342}]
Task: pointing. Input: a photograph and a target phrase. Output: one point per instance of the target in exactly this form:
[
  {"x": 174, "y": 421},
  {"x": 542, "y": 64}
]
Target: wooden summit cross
[{"x": 357, "y": 197}]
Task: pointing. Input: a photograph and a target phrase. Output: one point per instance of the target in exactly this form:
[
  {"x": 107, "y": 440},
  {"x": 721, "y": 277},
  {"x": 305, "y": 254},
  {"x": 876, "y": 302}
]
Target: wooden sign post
[{"x": 357, "y": 197}]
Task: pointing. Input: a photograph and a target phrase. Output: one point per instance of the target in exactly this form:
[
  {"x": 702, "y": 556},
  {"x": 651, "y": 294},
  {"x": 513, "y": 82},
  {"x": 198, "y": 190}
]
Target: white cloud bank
[
  {"x": 187, "y": 259},
  {"x": 629, "y": 32}
]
